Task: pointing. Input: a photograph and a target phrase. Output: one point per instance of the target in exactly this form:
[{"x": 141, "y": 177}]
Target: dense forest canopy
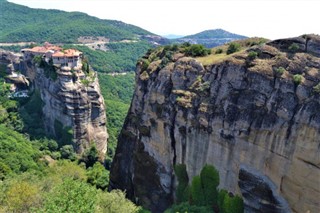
[{"x": 21, "y": 23}]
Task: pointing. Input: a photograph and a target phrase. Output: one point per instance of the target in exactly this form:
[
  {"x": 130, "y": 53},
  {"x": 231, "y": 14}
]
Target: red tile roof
[
  {"x": 66, "y": 53},
  {"x": 57, "y": 51},
  {"x": 58, "y": 54}
]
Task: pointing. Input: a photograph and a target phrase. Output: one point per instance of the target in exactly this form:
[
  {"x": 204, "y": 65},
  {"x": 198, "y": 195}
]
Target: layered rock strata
[
  {"x": 69, "y": 97},
  {"x": 258, "y": 111},
  {"x": 76, "y": 104}
]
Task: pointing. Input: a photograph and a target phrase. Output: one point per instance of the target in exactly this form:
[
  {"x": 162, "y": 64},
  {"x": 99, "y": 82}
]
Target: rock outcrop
[
  {"x": 70, "y": 98},
  {"x": 75, "y": 104},
  {"x": 257, "y": 110}
]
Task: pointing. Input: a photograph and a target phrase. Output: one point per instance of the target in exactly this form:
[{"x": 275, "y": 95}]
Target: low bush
[
  {"x": 219, "y": 51},
  {"x": 196, "y": 50},
  {"x": 252, "y": 55},
  {"x": 317, "y": 88},
  {"x": 297, "y": 79},
  {"x": 233, "y": 47},
  {"x": 280, "y": 70},
  {"x": 293, "y": 47}
]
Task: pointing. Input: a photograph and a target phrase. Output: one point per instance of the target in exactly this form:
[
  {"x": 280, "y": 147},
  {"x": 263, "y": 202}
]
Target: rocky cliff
[
  {"x": 71, "y": 99},
  {"x": 76, "y": 103},
  {"x": 254, "y": 115}
]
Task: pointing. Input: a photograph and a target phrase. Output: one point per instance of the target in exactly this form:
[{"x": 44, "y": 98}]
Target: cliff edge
[{"x": 253, "y": 114}]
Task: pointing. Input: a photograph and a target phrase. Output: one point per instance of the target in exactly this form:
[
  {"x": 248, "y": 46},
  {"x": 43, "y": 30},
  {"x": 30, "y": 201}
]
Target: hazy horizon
[{"x": 270, "y": 19}]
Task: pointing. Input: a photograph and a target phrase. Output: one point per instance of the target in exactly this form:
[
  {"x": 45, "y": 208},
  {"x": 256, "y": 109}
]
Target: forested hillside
[
  {"x": 41, "y": 174},
  {"x": 120, "y": 57},
  {"x": 210, "y": 38},
  {"x": 117, "y": 92},
  {"x": 21, "y": 23}
]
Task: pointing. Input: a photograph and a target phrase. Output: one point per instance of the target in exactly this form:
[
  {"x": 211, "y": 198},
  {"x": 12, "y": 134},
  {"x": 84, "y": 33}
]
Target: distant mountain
[
  {"x": 172, "y": 36},
  {"x": 21, "y": 23},
  {"x": 211, "y": 38}
]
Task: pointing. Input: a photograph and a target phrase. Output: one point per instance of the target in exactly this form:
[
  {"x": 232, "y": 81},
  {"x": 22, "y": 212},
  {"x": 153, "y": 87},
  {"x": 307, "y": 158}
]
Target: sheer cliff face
[
  {"x": 258, "y": 127},
  {"x": 73, "y": 104}
]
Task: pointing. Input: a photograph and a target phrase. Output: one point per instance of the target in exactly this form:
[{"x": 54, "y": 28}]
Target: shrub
[
  {"x": 317, "y": 88},
  {"x": 280, "y": 70},
  {"x": 37, "y": 59},
  {"x": 67, "y": 152},
  {"x": 233, "y": 47},
  {"x": 145, "y": 64},
  {"x": 197, "y": 193},
  {"x": 114, "y": 202},
  {"x": 221, "y": 196},
  {"x": 21, "y": 196},
  {"x": 196, "y": 50},
  {"x": 98, "y": 176},
  {"x": 232, "y": 204},
  {"x": 85, "y": 82},
  {"x": 252, "y": 55},
  {"x": 63, "y": 134},
  {"x": 186, "y": 207},
  {"x": 297, "y": 79},
  {"x": 293, "y": 47},
  {"x": 182, "y": 175},
  {"x": 210, "y": 181},
  {"x": 70, "y": 196},
  {"x": 219, "y": 51},
  {"x": 90, "y": 156}
]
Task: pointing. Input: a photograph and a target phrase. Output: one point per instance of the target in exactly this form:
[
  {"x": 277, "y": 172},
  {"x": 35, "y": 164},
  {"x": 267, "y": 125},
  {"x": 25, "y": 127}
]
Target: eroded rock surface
[
  {"x": 75, "y": 105},
  {"x": 235, "y": 112},
  {"x": 67, "y": 100}
]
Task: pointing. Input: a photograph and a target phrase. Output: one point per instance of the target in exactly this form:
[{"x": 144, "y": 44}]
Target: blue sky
[{"x": 264, "y": 18}]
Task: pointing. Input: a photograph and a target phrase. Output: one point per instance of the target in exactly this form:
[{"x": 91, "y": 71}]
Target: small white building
[{"x": 70, "y": 58}]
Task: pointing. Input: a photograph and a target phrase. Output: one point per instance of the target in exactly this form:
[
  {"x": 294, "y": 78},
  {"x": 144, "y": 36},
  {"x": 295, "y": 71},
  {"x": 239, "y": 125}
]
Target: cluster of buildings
[{"x": 65, "y": 58}]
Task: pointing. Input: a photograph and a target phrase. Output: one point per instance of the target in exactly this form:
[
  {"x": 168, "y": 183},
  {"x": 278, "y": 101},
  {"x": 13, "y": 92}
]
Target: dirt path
[{"x": 17, "y": 44}]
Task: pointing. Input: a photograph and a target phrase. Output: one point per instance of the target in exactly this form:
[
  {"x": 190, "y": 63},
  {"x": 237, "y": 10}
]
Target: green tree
[
  {"x": 197, "y": 193},
  {"x": 221, "y": 196},
  {"x": 21, "y": 196},
  {"x": 98, "y": 176},
  {"x": 115, "y": 202},
  {"x": 90, "y": 156},
  {"x": 186, "y": 207},
  {"x": 70, "y": 196},
  {"x": 237, "y": 204},
  {"x": 210, "y": 181},
  {"x": 182, "y": 191},
  {"x": 67, "y": 152},
  {"x": 197, "y": 50}
]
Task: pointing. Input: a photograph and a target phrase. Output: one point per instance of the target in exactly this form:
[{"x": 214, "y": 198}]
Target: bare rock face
[
  {"x": 75, "y": 105},
  {"x": 239, "y": 112},
  {"x": 259, "y": 193}
]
